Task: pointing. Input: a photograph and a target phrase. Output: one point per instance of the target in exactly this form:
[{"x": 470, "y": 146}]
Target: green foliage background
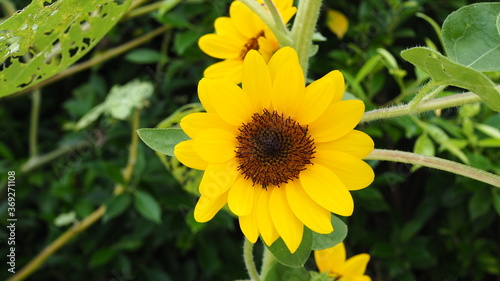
[{"x": 417, "y": 224}]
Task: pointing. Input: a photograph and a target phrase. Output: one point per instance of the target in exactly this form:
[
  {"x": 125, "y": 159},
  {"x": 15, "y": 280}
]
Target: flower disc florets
[{"x": 273, "y": 149}]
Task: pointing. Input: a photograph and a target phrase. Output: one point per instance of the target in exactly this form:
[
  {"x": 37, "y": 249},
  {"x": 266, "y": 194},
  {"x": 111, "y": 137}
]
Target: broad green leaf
[
  {"x": 116, "y": 206},
  {"x": 162, "y": 140},
  {"x": 147, "y": 206},
  {"x": 471, "y": 36},
  {"x": 325, "y": 241},
  {"x": 490, "y": 142},
  {"x": 446, "y": 72},
  {"x": 279, "y": 272},
  {"x": 55, "y": 36},
  {"x": 297, "y": 259},
  {"x": 488, "y": 130},
  {"x": 120, "y": 102}
]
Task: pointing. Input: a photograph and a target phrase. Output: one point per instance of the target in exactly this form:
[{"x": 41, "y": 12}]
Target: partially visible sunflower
[
  {"x": 237, "y": 34},
  {"x": 280, "y": 154},
  {"x": 333, "y": 261}
]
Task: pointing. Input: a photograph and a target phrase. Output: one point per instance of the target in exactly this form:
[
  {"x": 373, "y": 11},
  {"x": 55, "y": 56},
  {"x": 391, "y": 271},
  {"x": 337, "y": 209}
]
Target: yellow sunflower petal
[
  {"x": 338, "y": 120},
  {"x": 331, "y": 259},
  {"x": 326, "y": 189},
  {"x": 230, "y": 102},
  {"x": 356, "y": 265},
  {"x": 248, "y": 224},
  {"x": 257, "y": 81},
  {"x": 194, "y": 123},
  {"x": 319, "y": 95},
  {"x": 218, "y": 178},
  {"x": 185, "y": 153},
  {"x": 282, "y": 56},
  {"x": 245, "y": 20},
  {"x": 287, "y": 14},
  {"x": 309, "y": 212},
  {"x": 220, "y": 46},
  {"x": 230, "y": 69},
  {"x": 225, "y": 26},
  {"x": 206, "y": 208},
  {"x": 355, "y": 143},
  {"x": 241, "y": 196},
  {"x": 203, "y": 94},
  {"x": 353, "y": 172},
  {"x": 289, "y": 227},
  {"x": 265, "y": 223},
  {"x": 267, "y": 47},
  {"x": 215, "y": 145},
  {"x": 288, "y": 89},
  {"x": 357, "y": 278}
]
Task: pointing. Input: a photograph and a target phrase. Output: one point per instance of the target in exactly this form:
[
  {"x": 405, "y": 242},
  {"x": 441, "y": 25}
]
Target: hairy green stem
[
  {"x": 268, "y": 261},
  {"x": 143, "y": 10},
  {"x": 267, "y": 18},
  {"x": 249, "y": 262},
  {"x": 278, "y": 21},
  {"x": 303, "y": 29},
  {"x": 402, "y": 110},
  {"x": 421, "y": 94},
  {"x": 98, "y": 59},
  {"x": 37, "y": 161},
  {"x": 436, "y": 163},
  {"x": 35, "y": 114}
]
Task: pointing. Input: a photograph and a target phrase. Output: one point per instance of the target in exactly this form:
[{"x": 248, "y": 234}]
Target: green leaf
[
  {"x": 116, "y": 206},
  {"x": 471, "y": 36},
  {"x": 325, "y": 241},
  {"x": 480, "y": 203},
  {"x": 424, "y": 146},
  {"x": 123, "y": 99},
  {"x": 496, "y": 200},
  {"x": 162, "y": 140},
  {"x": 65, "y": 219},
  {"x": 101, "y": 257},
  {"x": 279, "y": 272},
  {"x": 55, "y": 36},
  {"x": 184, "y": 40},
  {"x": 144, "y": 56},
  {"x": 446, "y": 72},
  {"x": 147, "y": 206},
  {"x": 297, "y": 259}
]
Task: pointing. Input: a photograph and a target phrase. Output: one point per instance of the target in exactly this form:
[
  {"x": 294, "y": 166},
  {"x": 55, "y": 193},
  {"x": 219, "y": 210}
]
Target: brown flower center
[
  {"x": 252, "y": 44},
  {"x": 272, "y": 149}
]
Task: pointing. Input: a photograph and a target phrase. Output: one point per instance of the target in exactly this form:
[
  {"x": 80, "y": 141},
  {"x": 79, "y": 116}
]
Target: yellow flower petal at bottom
[
  {"x": 230, "y": 69},
  {"x": 326, "y": 189},
  {"x": 331, "y": 259},
  {"x": 353, "y": 172},
  {"x": 355, "y": 143},
  {"x": 356, "y": 265},
  {"x": 206, "y": 208},
  {"x": 241, "y": 196},
  {"x": 185, "y": 153},
  {"x": 289, "y": 227},
  {"x": 306, "y": 210},
  {"x": 218, "y": 178},
  {"x": 215, "y": 145},
  {"x": 264, "y": 222},
  {"x": 248, "y": 224},
  {"x": 220, "y": 46},
  {"x": 338, "y": 120},
  {"x": 257, "y": 81},
  {"x": 356, "y": 278}
]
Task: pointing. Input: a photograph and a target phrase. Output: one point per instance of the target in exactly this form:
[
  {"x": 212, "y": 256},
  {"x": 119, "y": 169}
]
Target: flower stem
[
  {"x": 280, "y": 31},
  {"x": 35, "y": 112},
  {"x": 303, "y": 29},
  {"x": 278, "y": 21},
  {"x": 268, "y": 261},
  {"x": 439, "y": 103},
  {"x": 249, "y": 262},
  {"x": 436, "y": 163}
]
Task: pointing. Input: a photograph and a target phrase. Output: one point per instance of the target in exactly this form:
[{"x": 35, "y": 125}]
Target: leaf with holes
[
  {"x": 446, "y": 72},
  {"x": 48, "y": 36}
]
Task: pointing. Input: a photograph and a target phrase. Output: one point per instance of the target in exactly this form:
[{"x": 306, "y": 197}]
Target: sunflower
[
  {"x": 236, "y": 35},
  {"x": 333, "y": 262},
  {"x": 280, "y": 154}
]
